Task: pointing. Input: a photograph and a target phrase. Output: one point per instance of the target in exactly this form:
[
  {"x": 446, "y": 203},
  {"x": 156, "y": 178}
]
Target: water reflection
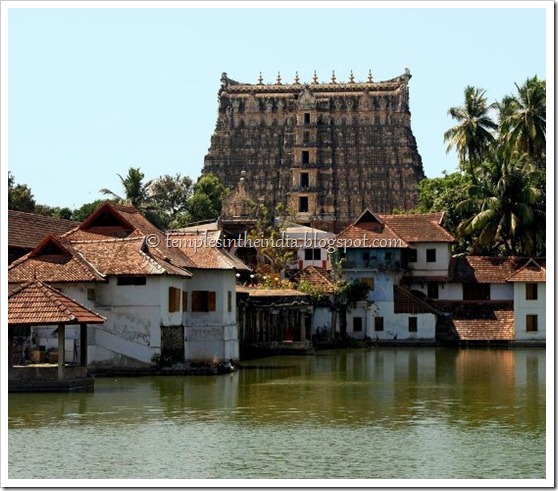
[{"x": 457, "y": 404}]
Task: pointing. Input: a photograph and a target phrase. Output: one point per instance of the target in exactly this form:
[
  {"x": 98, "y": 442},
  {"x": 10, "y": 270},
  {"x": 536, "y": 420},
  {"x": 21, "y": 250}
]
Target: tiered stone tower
[{"x": 327, "y": 150}]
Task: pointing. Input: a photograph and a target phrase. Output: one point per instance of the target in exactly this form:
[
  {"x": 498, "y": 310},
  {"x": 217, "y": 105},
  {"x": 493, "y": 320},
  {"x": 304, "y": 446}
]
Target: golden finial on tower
[
  {"x": 369, "y": 76},
  {"x": 351, "y": 78},
  {"x": 333, "y": 76},
  {"x": 260, "y": 79},
  {"x": 315, "y": 78}
]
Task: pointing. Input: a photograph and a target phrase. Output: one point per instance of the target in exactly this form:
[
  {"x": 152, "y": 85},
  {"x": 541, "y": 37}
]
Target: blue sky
[{"x": 92, "y": 92}]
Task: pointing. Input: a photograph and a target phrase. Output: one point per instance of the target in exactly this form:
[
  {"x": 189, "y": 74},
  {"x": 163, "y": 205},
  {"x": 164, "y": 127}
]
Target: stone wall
[{"x": 328, "y": 150}]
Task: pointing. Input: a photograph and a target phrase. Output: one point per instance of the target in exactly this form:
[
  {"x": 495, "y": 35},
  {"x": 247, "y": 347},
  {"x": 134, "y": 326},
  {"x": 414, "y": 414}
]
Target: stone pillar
[
  {"x": 83, "y": 345},
  {"x": 61, "y": 350},
  {"x": 302, "y": 326}
]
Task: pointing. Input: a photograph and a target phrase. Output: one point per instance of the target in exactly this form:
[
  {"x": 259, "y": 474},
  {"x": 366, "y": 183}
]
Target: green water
[{"x": 379, "y": 413}]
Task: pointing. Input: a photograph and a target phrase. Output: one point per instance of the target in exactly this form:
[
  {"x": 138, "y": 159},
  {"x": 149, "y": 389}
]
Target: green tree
[
  {"x": 81, "y": 213},
  {"x": 523, "y": 120},
  {"x": 135, "y": 189},
  {"x": 505, "y": 210},
  {"x": 54, "y": 211},
  {"x": 207, "y": 199},
  {"x": 473, "y": 135},
  {"x": 20, "y": 197},
  {"x": 441, "y": 194},
  {"x": 170, "y": 195}
]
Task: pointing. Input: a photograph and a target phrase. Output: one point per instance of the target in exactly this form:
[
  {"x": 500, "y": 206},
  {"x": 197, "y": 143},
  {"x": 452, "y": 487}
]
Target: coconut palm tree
[
  {"x": 135, "y": 190},
  {"x": 506, "y": 205},
  {"x": 473, "y": 135},
  {"x": 523, "y": 119}
]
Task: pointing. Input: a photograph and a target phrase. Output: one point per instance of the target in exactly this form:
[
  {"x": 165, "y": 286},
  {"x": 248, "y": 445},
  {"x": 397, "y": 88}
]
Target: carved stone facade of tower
[{"x": 327, "y": 150}]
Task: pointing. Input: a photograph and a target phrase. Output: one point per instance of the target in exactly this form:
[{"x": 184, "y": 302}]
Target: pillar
[
  {"x": 302, "y": 326},
  {"x": 61, "y": 350}
]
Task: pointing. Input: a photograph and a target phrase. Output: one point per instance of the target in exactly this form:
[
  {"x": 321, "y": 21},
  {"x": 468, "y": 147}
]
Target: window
[
  {"x": 306, "y": 137},
  {"x": 91, "y": 294},
  {"x": 531, "y": 291},
  {"x": 229, "y": 301},
  {"x": 203, "y": 301},
  {"x": 131, "y": 280},
  {"x": 357, "y": 324},
  {"x": 305, "y": 160},
  {"x": 312, "y": 254},
  {"x": 430, "y": 255},
  {"x": 378, "y": 324},
  {"x": 476, "y": 291},
  {"x": 413, "y": 325},
  {"x": 303, "y": 204},
  {"x": 306, "y": 118},
  {"x": 432, "y": 290},
  {"x": 184, "y": 301},
  {"x": 174, "y": 299},
  {"x": 532, "y": 322},
  {"x": 304, "y": 180},
  {"x": 411, "y": 255},
  {"x": 369, "y": 282}
]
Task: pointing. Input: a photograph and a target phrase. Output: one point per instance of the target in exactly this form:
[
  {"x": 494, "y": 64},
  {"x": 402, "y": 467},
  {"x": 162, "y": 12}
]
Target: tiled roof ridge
[
  {"x": 152, "y": 261},
  {"x": 59, "y": 241},
  {"x": 112, "y": 239},
  {"x": 87, "y": 266}
]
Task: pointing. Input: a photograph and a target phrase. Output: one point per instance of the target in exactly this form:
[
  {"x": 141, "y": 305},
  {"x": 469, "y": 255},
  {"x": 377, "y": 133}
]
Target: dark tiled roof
[
  {"x": 37, "y": 303},
  {"x": 405, "y": 302},
  {"x": 362, "y": 233},
  {"x": 424, "y": 227},
  {"x": 486, "y": 269},
  {"x": 26, "y": 230},
  {"x": 480, "y": 321}
]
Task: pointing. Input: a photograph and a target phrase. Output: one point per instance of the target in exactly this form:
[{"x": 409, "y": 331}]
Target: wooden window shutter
[
  {"x": 184, "y": 301},
  {"x": 174, "y": 299},
  {"x": 196, "y": 301},
  {"x": 211, "y": 301}
]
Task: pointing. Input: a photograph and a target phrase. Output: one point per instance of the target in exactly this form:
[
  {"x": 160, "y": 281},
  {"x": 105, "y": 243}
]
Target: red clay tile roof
[
  {"x": 485, "y": 269},
  {"x": 532, "y": 272},
  {"x": 27, "y": 230},
  {"x": 203, "y": 252},
  {"x": 37, "y": 303},
  {"x": 481, "y": 321},
  {"x": 425, "y": 227},
  {"x": 362, "y": 233},
  {"x": 318, "y": 277},
  {"x": 130, "y": 256},
  {"x": 54, "y": 261}
]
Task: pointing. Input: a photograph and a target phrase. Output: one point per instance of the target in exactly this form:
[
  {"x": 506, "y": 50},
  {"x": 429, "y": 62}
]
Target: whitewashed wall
[
  {"x": 437, "y": 268},
  {"x": 523, "y": 307}
]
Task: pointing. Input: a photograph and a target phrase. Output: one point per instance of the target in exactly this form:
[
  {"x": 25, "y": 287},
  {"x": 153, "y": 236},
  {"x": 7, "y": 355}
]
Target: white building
[{"x": 117, "y": 263}]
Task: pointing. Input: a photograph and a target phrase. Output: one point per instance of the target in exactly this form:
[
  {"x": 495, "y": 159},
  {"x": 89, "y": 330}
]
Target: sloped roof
[
  {"x": 405, "y": 302},
  {"x": 27, "y": 230},
  {"x": 203, "y": 252},
  {"x": 318, "y": 277},
  {"x": 363, "y": 231},
  {"x": 425, "y": 227},
  {"x": 486, "y": 269},
  {"x": 37, "y": 303},
  {"x": 268, "y": 292},
  {"x": 481, "y": 321},
  {"x": 130, "y": 256},
  {"x": 532, "y": 272},
  {"x": 55, "y": 261}
]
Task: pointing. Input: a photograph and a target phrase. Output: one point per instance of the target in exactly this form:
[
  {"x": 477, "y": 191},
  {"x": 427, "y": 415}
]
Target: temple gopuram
[{"x": 327, "y": 150}]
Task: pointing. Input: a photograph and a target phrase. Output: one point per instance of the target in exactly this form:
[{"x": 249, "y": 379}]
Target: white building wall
[
  {"x": 501, "y": 291},
  {"x": 212, "y": 335},
  {"x": 446, "y": 291},
  {"x": 321, "y": 320},
  {"x": 438, "y": 268},
  {"x": 524, "y": 307}
]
